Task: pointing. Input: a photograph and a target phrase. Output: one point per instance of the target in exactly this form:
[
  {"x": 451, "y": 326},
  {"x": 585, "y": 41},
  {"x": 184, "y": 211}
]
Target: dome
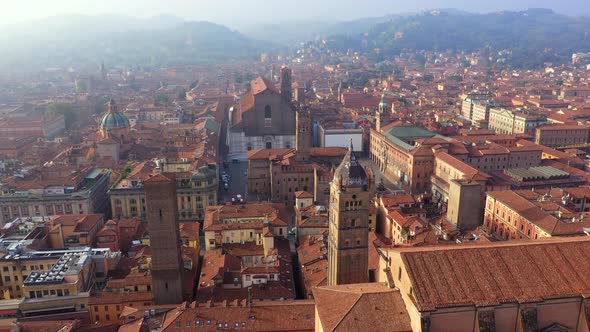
[{"x": 113, "y": 119}]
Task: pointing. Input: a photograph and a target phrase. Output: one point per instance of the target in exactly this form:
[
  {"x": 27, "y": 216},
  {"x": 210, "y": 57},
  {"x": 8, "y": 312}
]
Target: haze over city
[{"x": 231, "y": 12}]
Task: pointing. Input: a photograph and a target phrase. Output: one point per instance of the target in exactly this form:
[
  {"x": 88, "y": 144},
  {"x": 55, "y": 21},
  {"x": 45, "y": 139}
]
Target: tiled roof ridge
[
  {"x": 501, "y": 244},
  {"x": 347, "y": 311}
]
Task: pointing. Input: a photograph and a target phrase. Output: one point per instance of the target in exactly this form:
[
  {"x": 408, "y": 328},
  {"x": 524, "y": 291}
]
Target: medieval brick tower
[
  {"x": 286, "y": 83},
  {"x": 303, "y": 134},
  {"x": 162, "y": 218},
  {"x": 348, "y": 253}
]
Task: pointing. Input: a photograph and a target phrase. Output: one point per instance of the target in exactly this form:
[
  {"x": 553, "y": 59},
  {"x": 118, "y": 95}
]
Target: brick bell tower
[
  {"x": 348, "y": 244},
  {"x": 286, "y": 83},
  {"x": 303, "y": 134},
  {"x": 162, "y": 218}
]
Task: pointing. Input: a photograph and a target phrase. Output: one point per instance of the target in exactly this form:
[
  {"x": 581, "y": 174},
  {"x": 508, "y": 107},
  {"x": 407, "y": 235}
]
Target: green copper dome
[{"x": 113, "y": 119}]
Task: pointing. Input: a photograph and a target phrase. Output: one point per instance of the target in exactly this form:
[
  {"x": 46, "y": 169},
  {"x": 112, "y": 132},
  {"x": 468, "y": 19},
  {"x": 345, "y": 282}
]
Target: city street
[{"x": 237, "y": 184}]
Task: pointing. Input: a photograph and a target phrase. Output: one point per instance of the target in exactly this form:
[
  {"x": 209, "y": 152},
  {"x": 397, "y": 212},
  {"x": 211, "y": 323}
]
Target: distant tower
[
  {"x": 103, "y": 71},
  {"x": 348, "y": 248},
  {"x": 381, "y": 114},
  {"x": 340, "y": 91},
  {"x": 286, "y": 83},
  {"x": 303, "y": 134},
  {"x": 162, "y": 219}
]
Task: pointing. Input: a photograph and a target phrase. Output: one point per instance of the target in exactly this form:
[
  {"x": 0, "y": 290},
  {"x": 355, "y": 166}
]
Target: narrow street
[{"x": 238, "y": 183}]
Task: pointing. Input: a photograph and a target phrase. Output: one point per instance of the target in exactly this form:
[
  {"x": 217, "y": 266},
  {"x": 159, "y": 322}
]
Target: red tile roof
[
  {"x": 265, "y": 316},
  {"x": 105, "y": 297},
  {"x": 261, "y": 84},
  {"x": 303, "y": 194},
  {"x": 498, "y": 272},
  {"x": 361, "y": 307},
  {"x": 215, "y": 215},
  {"x": 82, "y": 222}
]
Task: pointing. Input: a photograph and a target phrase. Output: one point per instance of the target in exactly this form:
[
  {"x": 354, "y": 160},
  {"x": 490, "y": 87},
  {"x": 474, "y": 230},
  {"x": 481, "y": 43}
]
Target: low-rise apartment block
[
  {"x": 54, "y": 190},
  {"x": 196, "y": 189}
]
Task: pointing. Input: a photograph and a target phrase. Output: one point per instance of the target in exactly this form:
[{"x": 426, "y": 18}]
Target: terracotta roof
[
  {"x": 142, "y": 170},
  {"x": 190, "y": 230},
  {"x": 312, "y": 254},
  {"x": 266, "y": 316},
  {"x": 133, "y": 279},
  {"x": 361, "y": 307},
  {"x": 275, "y": 213},
  {"x": 82, "y": 222},
  {"x": 303, "y": 194},
  {"x": 396, "y": 200},
  {"x": 525, "y": 203},
  {"x": 105, "y": 297},
  {"x": 268, "y": 153},
  {"x": 469, "y": 172},
  {"x": 48, "y": 326},
  {"x": 498, "y": 272},
  {"x": 562, "y": 127},
  {"x": 313, "y": 216},
  {"x": 160, "y": 178}
]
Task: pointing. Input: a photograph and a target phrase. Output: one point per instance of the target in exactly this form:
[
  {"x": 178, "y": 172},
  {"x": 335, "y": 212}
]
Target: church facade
[{"x": 263, "y": 119}]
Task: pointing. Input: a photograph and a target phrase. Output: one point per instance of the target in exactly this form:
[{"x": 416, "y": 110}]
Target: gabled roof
[
  {"x": 159, "y": 178},
  {"x": 268, "y": 153},
  {"x": 261, "y": 84},
  {"x": 303, "y": 194},
  {"x": 361, "y": 307},
  {"x": 498, "y": 272}
]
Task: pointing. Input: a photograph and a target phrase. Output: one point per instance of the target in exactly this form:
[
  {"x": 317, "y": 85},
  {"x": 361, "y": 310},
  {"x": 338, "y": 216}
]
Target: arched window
[{"x": 267, "y": 116}]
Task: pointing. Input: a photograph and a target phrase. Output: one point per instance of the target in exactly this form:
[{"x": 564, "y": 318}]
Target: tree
[{"x": 69, "y": 114}]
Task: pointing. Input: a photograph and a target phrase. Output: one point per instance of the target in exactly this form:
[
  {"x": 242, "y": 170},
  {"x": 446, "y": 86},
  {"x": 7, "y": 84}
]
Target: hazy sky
[{"x": 240, "y": 12}]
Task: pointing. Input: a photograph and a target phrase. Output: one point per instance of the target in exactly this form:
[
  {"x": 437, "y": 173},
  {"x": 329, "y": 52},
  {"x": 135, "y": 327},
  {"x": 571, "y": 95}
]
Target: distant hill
[
  {"x": 120, "y": 40},
  {"x": 291, "y": 33},
  {"x": 533, "y": 36},
  {"x": 287, "y": 33}
]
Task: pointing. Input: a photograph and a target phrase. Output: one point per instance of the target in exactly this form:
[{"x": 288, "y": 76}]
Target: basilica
[{"x": 263, "y": 119}]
